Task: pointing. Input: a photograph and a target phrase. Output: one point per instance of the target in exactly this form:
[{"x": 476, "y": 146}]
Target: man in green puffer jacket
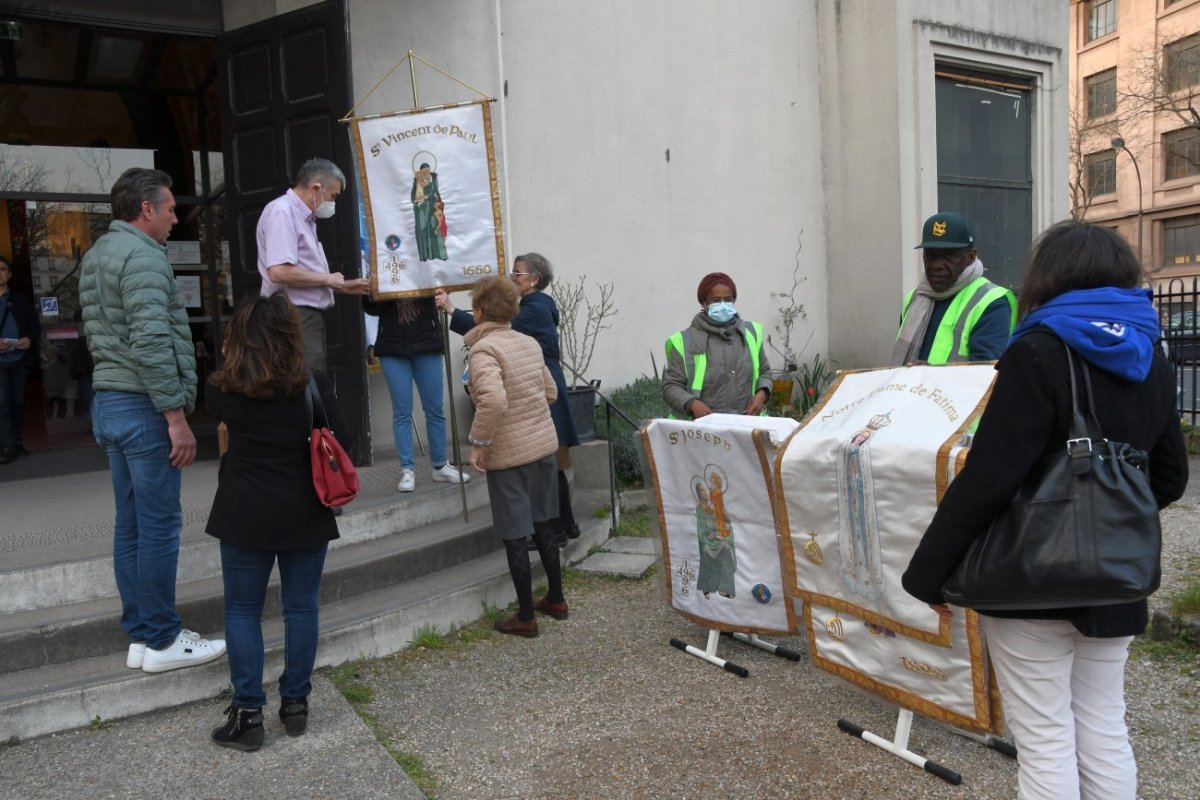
[{"x": 145, "y": 385}]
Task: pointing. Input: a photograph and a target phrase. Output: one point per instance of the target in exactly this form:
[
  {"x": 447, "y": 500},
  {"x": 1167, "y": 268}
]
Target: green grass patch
[
  {"x": 1174, "y": 652},
  {"x": 346, "y": 678},
  {"x": 603, "y": 512},
  {"x": 98, "y": 724},
  {"x": 413, "y": 766},
  {"x": 430, "y": 637},
  {"x": 1187, "y": 601},
  {"x": 636, "y": 523}
]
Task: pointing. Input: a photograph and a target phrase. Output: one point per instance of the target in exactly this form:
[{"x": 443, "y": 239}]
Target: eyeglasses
[{"x": 525, "y": 274}]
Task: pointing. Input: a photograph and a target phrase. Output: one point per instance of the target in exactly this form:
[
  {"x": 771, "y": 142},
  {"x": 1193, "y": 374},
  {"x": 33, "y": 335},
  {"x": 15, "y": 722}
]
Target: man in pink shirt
[{"x": 292, "y": 260}]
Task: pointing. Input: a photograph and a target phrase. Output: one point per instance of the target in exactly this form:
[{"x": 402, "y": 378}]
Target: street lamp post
[{"x": 1119, "y": 144}]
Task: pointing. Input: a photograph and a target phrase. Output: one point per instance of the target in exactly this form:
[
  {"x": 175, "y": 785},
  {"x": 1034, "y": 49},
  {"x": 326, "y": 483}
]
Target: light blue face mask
[{"x": 722, "y": 311}]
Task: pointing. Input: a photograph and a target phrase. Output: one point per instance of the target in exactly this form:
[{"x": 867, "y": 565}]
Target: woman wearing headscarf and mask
[{"x": 719, "y": 364}]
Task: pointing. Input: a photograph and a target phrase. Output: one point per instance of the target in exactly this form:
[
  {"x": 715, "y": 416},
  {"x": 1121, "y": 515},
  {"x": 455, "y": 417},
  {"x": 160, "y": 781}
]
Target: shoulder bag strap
[
  {"x": 316, "y": 409},
  {"x": 1079, "y": 445}
]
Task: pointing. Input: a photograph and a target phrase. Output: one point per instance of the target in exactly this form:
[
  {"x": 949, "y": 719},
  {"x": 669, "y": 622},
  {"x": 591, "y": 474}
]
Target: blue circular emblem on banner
[{"x": 392, "y": 242}]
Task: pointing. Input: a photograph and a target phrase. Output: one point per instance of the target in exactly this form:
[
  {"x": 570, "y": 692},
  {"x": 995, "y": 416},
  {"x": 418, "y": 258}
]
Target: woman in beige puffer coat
[{"x": 514, "y": 442}]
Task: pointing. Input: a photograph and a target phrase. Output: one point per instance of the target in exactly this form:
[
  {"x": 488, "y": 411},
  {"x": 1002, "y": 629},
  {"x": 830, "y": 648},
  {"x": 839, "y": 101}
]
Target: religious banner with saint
[
  {"x": 431, "y": 199},
  {"x": 861, "y": 480},
  {"x": 715, "y": 499}
]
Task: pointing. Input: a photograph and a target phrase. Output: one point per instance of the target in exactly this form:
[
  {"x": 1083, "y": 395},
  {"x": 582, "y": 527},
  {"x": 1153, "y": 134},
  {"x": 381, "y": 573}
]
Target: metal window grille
[
  {"x": 1102, "y": 172},
  {"x": 1101, "y": 93}
]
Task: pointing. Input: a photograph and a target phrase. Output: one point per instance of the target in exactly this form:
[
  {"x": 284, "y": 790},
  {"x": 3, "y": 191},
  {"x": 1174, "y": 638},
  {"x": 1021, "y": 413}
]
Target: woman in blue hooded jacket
[{"x": 1061, "y": 671}]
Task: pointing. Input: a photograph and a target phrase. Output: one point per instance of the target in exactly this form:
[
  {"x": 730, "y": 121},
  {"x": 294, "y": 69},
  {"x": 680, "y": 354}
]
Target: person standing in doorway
[
  {"x": 145, "y": 385},
  {"x": 19, "y": 333},
  {"x": 409, "y": 347},
  {"x": 291, "y": 259}
]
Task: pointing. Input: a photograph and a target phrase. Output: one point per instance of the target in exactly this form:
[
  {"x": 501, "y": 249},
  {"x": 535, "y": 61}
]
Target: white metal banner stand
[
  {"x": 770, "y": 647},
  {"x": 898, "y": 746},
  {"x": 1002, "y": 746},
  {"x": 709, "y": 654}
]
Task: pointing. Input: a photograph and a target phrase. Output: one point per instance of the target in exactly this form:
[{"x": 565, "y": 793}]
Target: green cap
[{"x": 946, "y": 231}]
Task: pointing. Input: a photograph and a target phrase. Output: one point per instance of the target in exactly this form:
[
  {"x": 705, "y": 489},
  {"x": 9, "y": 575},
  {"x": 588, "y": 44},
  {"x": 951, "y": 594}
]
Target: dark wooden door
[
  {"x": 284, "y": 83},
  {"x": 985, "y": 166}
]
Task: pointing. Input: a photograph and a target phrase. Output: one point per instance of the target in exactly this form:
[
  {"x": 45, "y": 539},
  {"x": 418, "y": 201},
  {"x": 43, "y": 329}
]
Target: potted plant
[{"x": 581, "y": 319}]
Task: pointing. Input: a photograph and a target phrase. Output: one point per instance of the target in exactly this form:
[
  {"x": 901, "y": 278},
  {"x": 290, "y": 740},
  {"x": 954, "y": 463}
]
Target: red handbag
[{"x": 334, "y": 477}]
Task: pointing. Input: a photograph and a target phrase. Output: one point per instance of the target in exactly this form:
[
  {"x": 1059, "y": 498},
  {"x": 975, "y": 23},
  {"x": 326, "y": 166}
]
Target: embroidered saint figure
[
  {"x": 718, "y": 555},
  {"x": 429, "y": 214},
  {"x": 860, "y": 563}
]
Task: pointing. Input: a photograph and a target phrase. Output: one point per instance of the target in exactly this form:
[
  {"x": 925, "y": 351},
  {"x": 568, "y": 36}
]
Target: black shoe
[
  {"x": 572, "y": 531},
  {"x": 294, "y": 716},
  {"x": 559, "y": 539},
  {"x": 243, "y": 729}
]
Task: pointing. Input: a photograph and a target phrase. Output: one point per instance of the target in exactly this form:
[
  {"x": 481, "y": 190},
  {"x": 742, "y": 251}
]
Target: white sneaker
[
  {"x": 448, "y": 473},
  {"x": 187, "y": 650},
  {"x": 137, "y": 652},
  {"x": 408, "y": 481}
]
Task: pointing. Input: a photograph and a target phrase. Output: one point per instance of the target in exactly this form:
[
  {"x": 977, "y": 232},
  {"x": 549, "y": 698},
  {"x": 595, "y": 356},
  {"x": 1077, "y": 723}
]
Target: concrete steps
[{"x": 403, "y": 562}]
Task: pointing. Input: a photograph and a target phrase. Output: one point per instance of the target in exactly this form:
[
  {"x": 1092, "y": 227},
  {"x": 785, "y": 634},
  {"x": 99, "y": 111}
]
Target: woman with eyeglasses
[{"x": 538, "y": 317}]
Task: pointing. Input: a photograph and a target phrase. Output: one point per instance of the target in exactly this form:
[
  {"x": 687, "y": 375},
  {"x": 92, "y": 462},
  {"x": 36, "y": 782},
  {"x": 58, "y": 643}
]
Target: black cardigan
[
  {"x": 405, "y": 340},
  {"x": 265, "y": 498},
  {"x": 1028, "y": 417}
]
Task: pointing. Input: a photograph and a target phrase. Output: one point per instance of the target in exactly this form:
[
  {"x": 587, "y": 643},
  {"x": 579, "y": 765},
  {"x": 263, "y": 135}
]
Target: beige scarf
[{"x": 920, "y": 309}]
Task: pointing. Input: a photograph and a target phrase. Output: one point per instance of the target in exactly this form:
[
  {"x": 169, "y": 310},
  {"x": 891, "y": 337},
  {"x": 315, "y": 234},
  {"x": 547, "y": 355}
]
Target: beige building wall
[{"x": 1135, "y": 49}]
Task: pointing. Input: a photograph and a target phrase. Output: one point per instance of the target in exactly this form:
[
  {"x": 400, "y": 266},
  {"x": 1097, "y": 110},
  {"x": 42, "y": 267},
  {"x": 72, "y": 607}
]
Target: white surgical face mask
[
  {"x": 327, "y": 209},
  {"x": 721, "y": 312}
]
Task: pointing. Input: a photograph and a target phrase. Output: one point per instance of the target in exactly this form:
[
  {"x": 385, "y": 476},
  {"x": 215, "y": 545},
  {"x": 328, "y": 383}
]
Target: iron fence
[{"x": 1177, "y": 302}]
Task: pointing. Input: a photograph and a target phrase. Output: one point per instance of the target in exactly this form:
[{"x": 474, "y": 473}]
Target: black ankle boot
[
  {"x": 294, "y": 716},
  {"x": 243, "y": 729}
]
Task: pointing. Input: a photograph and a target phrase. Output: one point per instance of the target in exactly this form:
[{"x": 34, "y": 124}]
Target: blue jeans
[
  {"x": 246, "y": 573},
  {"x": 146, "y": 533},
  {"x": 426, "y": 369},
  {"x": 12, "y": 404}
]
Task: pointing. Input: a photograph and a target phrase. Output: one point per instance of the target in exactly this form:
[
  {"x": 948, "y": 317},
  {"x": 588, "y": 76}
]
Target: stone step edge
[
  {"x": 67, "y": 582},
  {"x": 51, "y": 700},
  {"x": 43, "y": 637}
]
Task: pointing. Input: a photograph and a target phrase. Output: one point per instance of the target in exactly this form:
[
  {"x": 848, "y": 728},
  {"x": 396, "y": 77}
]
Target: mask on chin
[{"x": 721, "y": 312}]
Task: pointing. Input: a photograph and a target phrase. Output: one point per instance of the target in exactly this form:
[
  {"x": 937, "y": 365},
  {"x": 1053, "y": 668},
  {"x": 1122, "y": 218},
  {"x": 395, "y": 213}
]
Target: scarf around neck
[
  {"x": 920, "y": 311},
  {"x": 1112, "y": 329}
]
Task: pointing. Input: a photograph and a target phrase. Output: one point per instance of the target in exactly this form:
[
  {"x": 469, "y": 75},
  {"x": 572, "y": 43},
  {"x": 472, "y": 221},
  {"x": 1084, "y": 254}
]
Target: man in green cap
[{"x": 955, "y": 314}]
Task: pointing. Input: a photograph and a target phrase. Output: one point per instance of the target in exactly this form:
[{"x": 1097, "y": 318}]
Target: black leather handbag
[{"x": 1085, "y": 532}]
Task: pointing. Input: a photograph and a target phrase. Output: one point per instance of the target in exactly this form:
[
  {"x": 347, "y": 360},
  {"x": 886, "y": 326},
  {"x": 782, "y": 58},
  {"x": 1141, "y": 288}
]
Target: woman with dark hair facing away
[
  {"x": 409, "y": 347},
  {"x": 538, "y": 317},
  {"x": 1061, "y": 671},
  {"x": 266, "y": 510},
  {"x": 513, "y": 442}
]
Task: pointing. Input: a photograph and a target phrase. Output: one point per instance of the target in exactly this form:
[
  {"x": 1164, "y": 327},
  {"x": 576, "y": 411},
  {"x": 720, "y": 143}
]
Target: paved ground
[{"x": 600, "y": 706}]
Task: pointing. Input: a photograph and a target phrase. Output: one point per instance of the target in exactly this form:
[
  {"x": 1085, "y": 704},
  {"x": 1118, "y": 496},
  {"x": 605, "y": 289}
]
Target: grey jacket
[
  {"x": 728, "y": 370},
  {"x": 135, "y": 320}
]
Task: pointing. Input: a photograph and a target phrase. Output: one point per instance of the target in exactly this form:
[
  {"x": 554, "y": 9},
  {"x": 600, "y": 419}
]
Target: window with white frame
[{"x": 1101, "y": 18}]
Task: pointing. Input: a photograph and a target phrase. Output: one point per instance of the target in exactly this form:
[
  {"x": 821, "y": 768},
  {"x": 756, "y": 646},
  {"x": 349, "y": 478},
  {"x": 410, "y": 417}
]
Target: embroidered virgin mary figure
[{"x": 860, "y": 563}]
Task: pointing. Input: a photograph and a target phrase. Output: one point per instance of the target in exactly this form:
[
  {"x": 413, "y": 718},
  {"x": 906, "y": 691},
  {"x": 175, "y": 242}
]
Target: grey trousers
[{"x": 312, "y": 337}]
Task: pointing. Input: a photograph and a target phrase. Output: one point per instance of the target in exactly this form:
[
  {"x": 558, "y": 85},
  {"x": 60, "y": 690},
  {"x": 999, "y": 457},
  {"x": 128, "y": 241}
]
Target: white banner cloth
[
  {"x": 860, "y": 482},
  {"x": 432, "y": 204},
  {"x": 712, "y": 483}
]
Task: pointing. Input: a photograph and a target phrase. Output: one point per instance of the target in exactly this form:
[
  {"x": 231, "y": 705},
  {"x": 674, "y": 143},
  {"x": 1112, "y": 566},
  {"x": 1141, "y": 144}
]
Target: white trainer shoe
[
  {"x": 187, "y": 650},
  {"x": 137, "y": 652},
  {"x": 448, "y": 473},
  {"x": 408, "y": 481}
]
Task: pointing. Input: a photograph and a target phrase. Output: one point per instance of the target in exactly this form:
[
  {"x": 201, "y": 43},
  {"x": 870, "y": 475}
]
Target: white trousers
[{"x": 1064, "y": 701}]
